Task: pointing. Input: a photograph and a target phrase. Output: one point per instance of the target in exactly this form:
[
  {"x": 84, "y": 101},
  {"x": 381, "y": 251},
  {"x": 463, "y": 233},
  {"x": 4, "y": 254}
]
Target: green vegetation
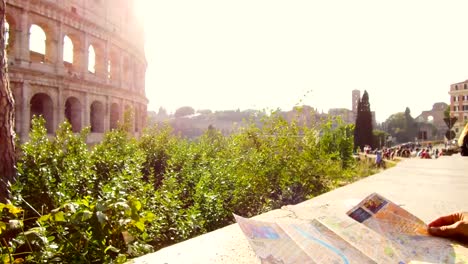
[
  {"x": 379, "y": 138},
  {"x": 402, "y": 126},
  {"x": 126, "y": 197}
]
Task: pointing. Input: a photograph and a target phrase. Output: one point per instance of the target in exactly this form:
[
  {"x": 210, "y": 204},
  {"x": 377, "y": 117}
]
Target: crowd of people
[
  {"x": 453, "y": 225},
  {"x": 426, "y": 151},
  {"x": 416, "y": 150},
  {"x": 409, "y": 150}
]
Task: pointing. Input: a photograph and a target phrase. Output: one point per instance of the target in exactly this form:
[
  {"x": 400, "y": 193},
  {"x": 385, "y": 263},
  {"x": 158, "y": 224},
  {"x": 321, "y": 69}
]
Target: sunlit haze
[{"x": 220, "y": 55}]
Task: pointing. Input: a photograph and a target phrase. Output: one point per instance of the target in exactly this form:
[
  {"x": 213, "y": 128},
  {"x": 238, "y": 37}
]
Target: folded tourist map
[{"x": 374, "y": 231}]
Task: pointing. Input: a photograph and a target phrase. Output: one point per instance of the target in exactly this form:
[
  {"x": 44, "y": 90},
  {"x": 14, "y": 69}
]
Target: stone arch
[
  {"x": 78, "y": 54},
  {"x": 128, "y": 109},
  {"x": 113, "y": 65},
  {"x": 41, "y": 105},
  {"x": 52, "y": 36},
  {"x": 73, "y": 113},
  {"x": 100, "y": 65},
  {"x": 51, "y": 41},
  {"x": 97, "y": 117},
  {"x": 114, "y": 115},
  {"x": 430, "y": 118}
]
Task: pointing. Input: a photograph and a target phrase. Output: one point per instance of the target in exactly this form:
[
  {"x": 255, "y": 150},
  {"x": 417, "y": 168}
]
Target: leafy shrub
[
  {"x": 126, "y": 197},
  {"x": 79, "y": 204}
]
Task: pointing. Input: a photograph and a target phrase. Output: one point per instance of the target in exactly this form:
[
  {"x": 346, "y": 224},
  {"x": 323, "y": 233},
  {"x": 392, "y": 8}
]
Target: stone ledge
[{"x": 427, "y": 188}]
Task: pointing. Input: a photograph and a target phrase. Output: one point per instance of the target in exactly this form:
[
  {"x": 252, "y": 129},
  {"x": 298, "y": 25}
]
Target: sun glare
[{"x": 141, "y": 9}]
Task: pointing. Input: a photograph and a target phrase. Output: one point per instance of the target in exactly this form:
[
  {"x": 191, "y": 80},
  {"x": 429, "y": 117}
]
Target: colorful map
[
  {"x": 271, "y": 243},
  {"x": 406, "y": 233},
  {"x": 378, "y": 231}
]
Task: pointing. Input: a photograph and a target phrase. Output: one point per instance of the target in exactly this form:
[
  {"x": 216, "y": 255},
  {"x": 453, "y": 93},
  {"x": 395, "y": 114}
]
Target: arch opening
[
  {"x": 114, "y": 116},
  {"x": 430, "y": 119},
  {"x": 113, "y": 66},
  {"x": 91, "y": 59},
  {"x": 7, "y": 33},
  {"x": 109, "y": 69},
  {"x": 10, "y": 26},
  {"x": 67, "y": 50},
  {"x": 137, "y": 120},
  {"x": 129, "y": 117},
  {"x": 37, "y": 44},
  {"x": 41, "y": 105},
  {"x": 97, "y": 117},
  {"x": 73, "y": 113}
]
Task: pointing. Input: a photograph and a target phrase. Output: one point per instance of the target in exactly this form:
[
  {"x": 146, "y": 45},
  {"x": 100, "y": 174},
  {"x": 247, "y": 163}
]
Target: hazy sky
[{"x": 220, "y": 55}]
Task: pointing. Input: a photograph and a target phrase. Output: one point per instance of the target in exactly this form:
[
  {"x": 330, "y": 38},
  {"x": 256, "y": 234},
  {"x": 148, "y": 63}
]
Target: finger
[
  {"x": 459, "y": 228},
  {"x": 443, "y": 231},
  {"x": 444, "y": 220}
]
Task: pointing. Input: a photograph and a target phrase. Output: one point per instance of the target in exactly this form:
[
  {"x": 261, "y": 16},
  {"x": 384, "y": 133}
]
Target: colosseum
[{"x": 76, "y": 60}]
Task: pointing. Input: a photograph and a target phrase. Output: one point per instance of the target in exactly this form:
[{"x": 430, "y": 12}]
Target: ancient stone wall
[
  {"x": 431, "y": 123},
  {"x": 104, "y": 76}
]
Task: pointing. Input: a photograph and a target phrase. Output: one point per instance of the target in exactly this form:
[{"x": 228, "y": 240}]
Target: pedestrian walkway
[{"x": 426, "y": 188}]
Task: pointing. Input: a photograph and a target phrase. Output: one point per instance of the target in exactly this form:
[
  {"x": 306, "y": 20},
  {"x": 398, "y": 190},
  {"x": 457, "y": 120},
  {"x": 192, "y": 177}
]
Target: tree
[
  {"x": 363, "y": 129},
  {"x": 7, "y": 118},
  {"x": 402, "y": 126},
  {"x": 447, "y": 112},
  {"x": 396, "y": 126},
  {"x": 184, "y": 111},
  {"x": 410, "y": 125},
  {"x": 162, "y": 112},
  {"x": 380, "y": 138},
  {"x": 204, "y": 111}
]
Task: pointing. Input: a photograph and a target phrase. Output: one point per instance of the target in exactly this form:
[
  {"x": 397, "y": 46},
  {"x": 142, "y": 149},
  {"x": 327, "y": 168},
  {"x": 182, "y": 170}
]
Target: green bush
[{"x": 125, "y": 197}]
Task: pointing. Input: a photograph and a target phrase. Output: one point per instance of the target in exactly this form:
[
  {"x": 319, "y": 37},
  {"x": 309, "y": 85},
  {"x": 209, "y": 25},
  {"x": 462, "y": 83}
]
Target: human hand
[{"x": 453, "y": 225}]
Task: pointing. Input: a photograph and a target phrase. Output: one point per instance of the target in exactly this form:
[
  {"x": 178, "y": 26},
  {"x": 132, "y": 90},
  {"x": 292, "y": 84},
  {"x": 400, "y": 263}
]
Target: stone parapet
[{"x": 426, "y": 188}]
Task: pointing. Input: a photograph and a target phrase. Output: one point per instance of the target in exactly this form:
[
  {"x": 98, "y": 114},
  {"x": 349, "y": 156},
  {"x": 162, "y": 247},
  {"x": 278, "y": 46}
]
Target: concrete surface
[{"x": 426, "y": 188}]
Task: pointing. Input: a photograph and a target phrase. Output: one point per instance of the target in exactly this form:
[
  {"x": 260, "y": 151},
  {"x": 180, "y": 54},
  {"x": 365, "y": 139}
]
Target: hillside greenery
[{"x": 126, "y": 197}]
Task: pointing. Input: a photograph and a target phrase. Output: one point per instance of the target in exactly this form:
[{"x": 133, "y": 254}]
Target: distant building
[
  {"x": 459, "y": 104},
  {"x": 81, "y": 61},
  {"x": 304, "y": 115},
  {"x": 346, "y": 115},
  {"x": 431, "y": 123},
  {"x": 356, "y": 96}
]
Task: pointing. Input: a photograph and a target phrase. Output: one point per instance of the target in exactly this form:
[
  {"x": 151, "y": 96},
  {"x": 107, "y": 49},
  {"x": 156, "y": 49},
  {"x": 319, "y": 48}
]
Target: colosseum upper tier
[{"x": 76, "y": 60}]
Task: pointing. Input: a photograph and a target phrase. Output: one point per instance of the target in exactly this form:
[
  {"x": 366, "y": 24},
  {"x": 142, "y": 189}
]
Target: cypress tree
[{"x": 363, "y": 129}]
